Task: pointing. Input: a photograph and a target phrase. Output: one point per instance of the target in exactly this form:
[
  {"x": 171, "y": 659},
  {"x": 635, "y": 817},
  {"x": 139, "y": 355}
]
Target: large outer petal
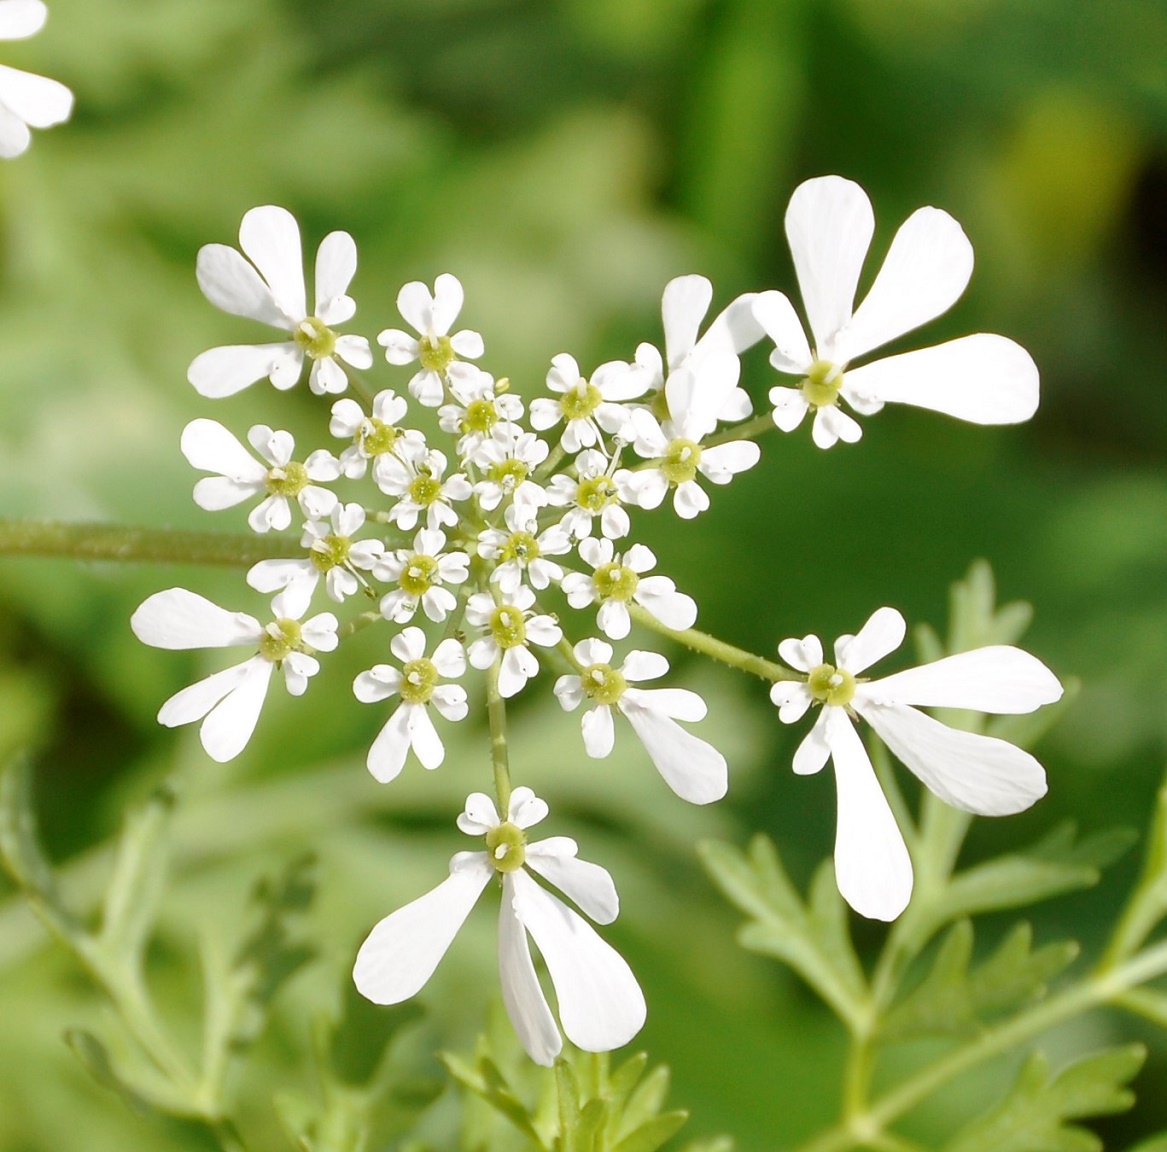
[
  {"x": 388, "y": 751},
  {"x": 998, "y": 679},
  {"x": 195, "y": 700},
  {"x": 984, "y": 378},
  {"x": 230, "y": 368},
  {"x": 270, "y": 238},
  {"x": 872, "y": 866},
  {"x": 924, "y": 273},
  {"x": 21, "y": 18},
  {"x": 589, "y": 885},
  {"x": 683, "y": 306},
  {"x": 600, "y": 1004},
  {"x": 829, "y": 225},
  {"x": 336, "y": 265},
  {"x": 979, "y": 774},
  {"x": 232, "y": 284},
  {"x": 179, "y": 619},
  {"x": 774, "y": 313},
  {"x": 525, "y": 1003},
  {"x": 693, "y": 769},
  {"x": 210, "y": 447},
  {"x": 39, "y": 101},
  {"x": 228, "y": 727},
  {"x": 14, "y": 134},
  {"x": 402, "y": 951}
]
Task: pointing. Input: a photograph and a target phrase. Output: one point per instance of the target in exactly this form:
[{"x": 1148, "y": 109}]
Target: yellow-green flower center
[
  {"x": 521, "y": 546},
  {"x": 831, "y": 685},
  {"x": 376, "y": 437},
  {"x": 596, "y": 494},
  {"x": 286, "y": 480},
  {"x": 680, "y": 461},
  {"x": 602, "y": 683},
  {"x": 419, "y": 678},
  {"x": 822, "y": 384},
  {"x": 509, "y": 474},
  {"x": 615, "y": 582},
  {"x": 481, "y": 416},
  {"x": 506, "y": 846},
  {"x": 315, "y": 337},
  {"x": 424, "y": 490},
  {"x": 435, "y": 355},
  {"x": 329, "y": 552},
  {"x": 580, "y": 402},
  {"x": 280, "y": 639},
  {"x": 507, "y": 627},
  {"x": 417, "y": 577}
]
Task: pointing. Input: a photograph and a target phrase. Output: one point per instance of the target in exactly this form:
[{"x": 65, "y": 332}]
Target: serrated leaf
[
  {"x": 140, "y": 1097},
  {"x": 487, "y": 1082},
  {"x": 1033, "y": 1116},
  {"x": 813, "y": 940},
  {"x": 951, "y": 999},
  {"x": 974, "y": 618},
  {"x": 653, "y": 1133}
]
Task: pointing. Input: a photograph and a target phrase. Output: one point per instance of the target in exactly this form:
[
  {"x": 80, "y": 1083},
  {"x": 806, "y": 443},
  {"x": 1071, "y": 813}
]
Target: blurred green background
[{"x": 565, "y": 158}]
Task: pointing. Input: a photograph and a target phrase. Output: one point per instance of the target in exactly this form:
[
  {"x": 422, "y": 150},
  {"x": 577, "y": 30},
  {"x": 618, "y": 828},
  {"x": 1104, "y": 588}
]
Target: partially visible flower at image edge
[{"x": 26, "y": 100}]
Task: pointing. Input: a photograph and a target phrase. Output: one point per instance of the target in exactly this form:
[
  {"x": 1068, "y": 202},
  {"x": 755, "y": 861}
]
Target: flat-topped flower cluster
[{"x": 493, "y": 530}]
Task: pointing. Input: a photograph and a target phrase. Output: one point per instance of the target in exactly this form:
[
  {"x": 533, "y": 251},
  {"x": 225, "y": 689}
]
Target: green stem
[
  {"x": 747, "y": 431},
  {"x": 718, "y": 649},
  {"x": 496, "y": 714},
  {"x": 139, "y": 545}
]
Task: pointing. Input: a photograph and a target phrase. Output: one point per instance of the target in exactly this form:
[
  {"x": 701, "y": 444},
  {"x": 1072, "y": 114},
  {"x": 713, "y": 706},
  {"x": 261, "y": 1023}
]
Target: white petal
[
  {"x": 829, "y": 225},
  {"x": 734, "y": 329},
  {"x": 599, "y": 733},
  {"x": 803, "y": 654},
  {"x": 467, "y": 344},
  {"x": 726, "y": 460},
  {"x": 776, "y": 315},
  {"x": 402, "y": 951},
  {"x": 408, "y": 644},
  {"x": 228, "y": 727},
  {"x": 388, "y": 752},
  {"x": 872, "y": 866},
  {"x": 568, "y": 691},
  {"x": 517, "y": 667},
  {"x": 223, "y": 371},
  {"x": 593, "y": 651},
  {"x": 416, "y": 305},
  {"x": 678, "y": 703},
  {"x": 924, "y": 273},
  {"x": 521, "y": 994},
  {"x": 693, "y": 769},
  {"x": 37, "y": 100},
  {"x": 832, "y": 424},
  {"x": 355, "y": 350},
  {"x": 400, "y": 347},
  {"x": 683, "y": 306},
  {"x": 479, "y": 815},
  {"x": 208, "y": 446},
  {"x": 270, "y": 238},
  {"x": 588, "y": 885},
  {"x": 640, "y": 665},
  {"x": 790, "y": 407},
  {"x": 21, "y": 18},
  {"x": 526, "y": 809},
  {"x": 449, "y": 659},
  {"x": 689, "y": 500},
  {"x": 813, "y": 752},
  {"x": 197, "y": 699},
  {"x": 378, "y": 683},
  {"x": 448, "y": 298},
  {"x": 178, "y": 619},
  {"x": 792, "y": 698},
  {"x": 985, "y": 379},
  {"x": 600, "y": 1004},
  {"x": 336, "y": 265},
  {"x": 613, "y": 619},
  {"x": 272, "y": 575},
  {"x": 976, "y": 773},
  {"x": 997, "y": 679},
  {"x": 543, "y": 630},
  {"x": 883, "y": 632},
  {"x": 14, "y": 134},
  {"x": 673, "y": 609}
]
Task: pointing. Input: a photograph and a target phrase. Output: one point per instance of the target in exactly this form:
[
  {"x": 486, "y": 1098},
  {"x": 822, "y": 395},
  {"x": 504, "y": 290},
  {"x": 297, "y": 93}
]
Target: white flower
[
  {"x": 231, "y": 700},
  {"x": 372, "y": 436},
  {"x": 519, "y": 549},
  {"x": 415, "y": 477},
  {"x": 695, "y": 395},
  {"x": 431, "y": 316},
  {"x": 208, "y": 446},
  {"x": 270, "y": 289},
  {"x": 586, "y": 407},
  {"x": 481, "y": 405},
  {"x": 418, "y": 683},
  {"x": 600, "y": 1004},
  {"x": 984, "y": 378},
  {"x": 333, "y": 553},
  {"x": 509, "y": 625},
  {"x": 592, "y": 493},
  {"x": 420, "y": 573},
  {"x": 617, "y": 579},
  {"x": 26, "y": 101},
  {"x": 972, "y": 772},
  {"x": 508, "y": 458},
  {"x": 693, "y": 769},
  {"x": 685, "y": 302}
]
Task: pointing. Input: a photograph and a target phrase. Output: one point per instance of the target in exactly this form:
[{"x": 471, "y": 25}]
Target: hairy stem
[{"x": 496, "y": 713}]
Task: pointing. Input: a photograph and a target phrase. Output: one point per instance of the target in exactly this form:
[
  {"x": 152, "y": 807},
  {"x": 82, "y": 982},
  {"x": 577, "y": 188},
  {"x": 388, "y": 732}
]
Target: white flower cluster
[{"x": 474, "y": 553}]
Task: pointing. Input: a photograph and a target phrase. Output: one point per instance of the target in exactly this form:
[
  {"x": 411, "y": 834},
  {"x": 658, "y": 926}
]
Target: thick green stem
[{"x": 496, "y": 714}]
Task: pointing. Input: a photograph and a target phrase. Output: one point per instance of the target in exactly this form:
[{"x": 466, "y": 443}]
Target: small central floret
[
  {"x": 507, "y": 626},
  {"x": 315, "y": 338},
  {"x": 435, "y": 354},
  {"x": 831, "y": 685},
  {"x": 287, "y": 480},
  {"x": 280, "y": 639},
  {"x": 596, "y": 494},
  {"x": 602, "y": 683},
  {"x": 521, "y": 546},
  {"x": 375, "y": 437},
  {"x": 822, "y": 384},
  {"x": 580, "y": 402},
  {"x": 680, "y": 461},
  {"x": 506, "y": 847},
  {"x": 615, "y": 582},
  {"x": 481, "y": 416},
  {"x": 424, "y": 489},
  {"x": 509, "y": 474},
  {"x": 417, "y": 577},
  {"x": 330, "y": 552},
  {"x": 419, "y": 678}
]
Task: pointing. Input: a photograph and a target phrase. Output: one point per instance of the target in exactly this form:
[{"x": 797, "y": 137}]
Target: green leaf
[
  {"x": 1148, "y": 905},
  {"x": 647, "y": 1101},
  {"x": 1033, "y": 1116},
  {"x": 813, "y": 939},
  {"x": 487, "y": 1082},
  {"x": 1154, "y": 1144},
  {"x": 951, "y": 999},
  {"x": 716, "y": 1144},
  {"x": 653, "y": 1133},
  {"x": 139, "y": 1095}
]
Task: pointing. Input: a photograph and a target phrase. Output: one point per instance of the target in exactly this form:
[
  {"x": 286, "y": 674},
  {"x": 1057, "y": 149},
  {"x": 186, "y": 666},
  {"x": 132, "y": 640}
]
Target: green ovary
[
  {"x": 521, "y": 546},
  {"x": 425, "y": 490},
  {"x": 288, "y": 480},
  {"x": 315, "y": 337},
  {"x": 481, "y": 417},
  {"x": 596, "y": 494},
  {"x": 580, "y": 402},
  {"x": 506, "y": 847},
  {"x": 680, "y": 461},
  {"x": 509, "y": 474},
  {"x": 418, "y": 576},
  {"x": 602, "y": 683},
  {"x": 615, "y": 582},
  {"x": 435, "y": 355},
  {"x": 419, "y": 678},
  {"x": 279, "y": 640},
  {"x": 831, "y": 685},
  {"x": 507, "y": 627},
  {"x": 822, "y": 384},
  {"x": 330, "y": 552},
  {"x": 376, "y": 437}
]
